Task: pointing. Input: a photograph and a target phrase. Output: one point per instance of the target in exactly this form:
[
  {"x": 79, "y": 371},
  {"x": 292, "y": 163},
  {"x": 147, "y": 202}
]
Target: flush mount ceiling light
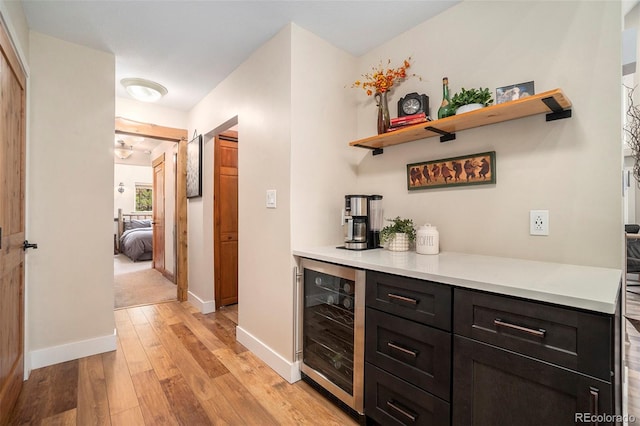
[
  {"x": 144, "y": 90},
  {"x": 123, "y": 152}
]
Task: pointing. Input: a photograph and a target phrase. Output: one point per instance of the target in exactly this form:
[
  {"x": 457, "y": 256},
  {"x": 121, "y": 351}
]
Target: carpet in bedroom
[{"x": 142, "y": 288}]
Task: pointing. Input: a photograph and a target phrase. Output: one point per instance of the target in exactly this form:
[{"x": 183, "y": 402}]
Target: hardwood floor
[{"x": 173, "y": 365}]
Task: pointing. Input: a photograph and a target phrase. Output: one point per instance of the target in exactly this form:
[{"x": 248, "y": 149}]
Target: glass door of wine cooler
[
  {"x": 328, "y": 327},
  {"x": 333, "y": 329}
]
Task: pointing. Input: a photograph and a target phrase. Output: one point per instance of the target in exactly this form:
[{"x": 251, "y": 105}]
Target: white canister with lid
[{"x": 427, "y": 240}]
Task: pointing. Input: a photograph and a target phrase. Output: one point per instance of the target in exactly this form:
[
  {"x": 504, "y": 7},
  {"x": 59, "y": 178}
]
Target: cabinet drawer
[
  {"x": 422, "y": 301},
  {"x": 493, "y": 386},
  {"x": 419, "y": 354},
  {"x": 577, "y": 340},
  {"x": 391, "y": 401}
]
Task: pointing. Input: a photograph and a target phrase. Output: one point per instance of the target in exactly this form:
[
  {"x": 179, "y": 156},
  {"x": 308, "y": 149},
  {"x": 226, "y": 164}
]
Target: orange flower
[{"x": 381, "y": 80}]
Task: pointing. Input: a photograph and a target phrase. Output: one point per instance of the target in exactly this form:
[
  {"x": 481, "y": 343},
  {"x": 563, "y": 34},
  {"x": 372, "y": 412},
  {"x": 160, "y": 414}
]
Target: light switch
[{"x": 271, "y": 198}]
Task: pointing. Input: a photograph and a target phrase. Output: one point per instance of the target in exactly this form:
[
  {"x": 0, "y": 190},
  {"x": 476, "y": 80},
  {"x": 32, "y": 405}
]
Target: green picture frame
[{"x": 473, "y": 169}]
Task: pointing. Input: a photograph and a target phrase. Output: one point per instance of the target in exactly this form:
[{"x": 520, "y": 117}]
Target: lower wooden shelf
[{"x": 554, "y": 103}]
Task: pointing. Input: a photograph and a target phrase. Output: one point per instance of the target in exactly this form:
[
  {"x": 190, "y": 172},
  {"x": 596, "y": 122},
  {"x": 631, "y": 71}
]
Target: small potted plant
[
  {"x": 472, "y": 99},
  {"x": 398, "y": 234}
]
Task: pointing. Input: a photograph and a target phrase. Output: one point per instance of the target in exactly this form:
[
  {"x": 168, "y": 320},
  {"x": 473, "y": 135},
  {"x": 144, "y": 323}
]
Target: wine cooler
[{"x": 331, "y": 314}]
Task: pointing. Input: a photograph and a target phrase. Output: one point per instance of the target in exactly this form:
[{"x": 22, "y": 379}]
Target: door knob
[{"x": 27, "y": 245}]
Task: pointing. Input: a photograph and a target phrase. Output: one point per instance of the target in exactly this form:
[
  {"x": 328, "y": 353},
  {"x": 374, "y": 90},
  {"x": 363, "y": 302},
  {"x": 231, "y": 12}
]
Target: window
[{"x": 144, "y": 197}]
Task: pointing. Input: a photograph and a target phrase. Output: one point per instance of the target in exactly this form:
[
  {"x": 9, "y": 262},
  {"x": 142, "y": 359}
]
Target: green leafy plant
[
  {"x": 398, "y": 226},
  {"x": 471, "y": 96}
]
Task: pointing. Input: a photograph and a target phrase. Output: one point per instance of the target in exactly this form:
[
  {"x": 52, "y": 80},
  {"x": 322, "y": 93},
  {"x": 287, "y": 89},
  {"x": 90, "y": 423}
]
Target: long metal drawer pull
[
  {"x": 403, "y": 350},
  {"x": 402, "y": 410},
  {"x": 402, "y": 298},
  {"x": 594, "y": 394},
  {"x": 538, "y": 333}
]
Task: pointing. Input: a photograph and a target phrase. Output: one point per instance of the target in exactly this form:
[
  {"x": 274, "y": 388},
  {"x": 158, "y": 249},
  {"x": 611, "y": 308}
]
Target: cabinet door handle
[
  {"x": 402, "y": 410},
  {"x": 593, "y": 401},
  {"x": 538, "y": 333},
  {"x": 402, "y": 298},
  {"x": 403, "y": 350}
]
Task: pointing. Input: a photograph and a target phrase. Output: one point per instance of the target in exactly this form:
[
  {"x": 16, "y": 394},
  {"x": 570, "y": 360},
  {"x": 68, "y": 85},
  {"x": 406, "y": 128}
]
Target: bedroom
[{"x": 144, "y": 260}]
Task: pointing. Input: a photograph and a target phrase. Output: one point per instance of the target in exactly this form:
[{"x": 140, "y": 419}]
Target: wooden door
[
  {"x": 226, "y": 219},
  {"x": 12, "y": 184},
  {"x": 158, "y": 214}
]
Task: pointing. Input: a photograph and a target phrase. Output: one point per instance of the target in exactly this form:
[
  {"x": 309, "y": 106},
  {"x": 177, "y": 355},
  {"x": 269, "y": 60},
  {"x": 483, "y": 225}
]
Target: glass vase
[{"x": 384, "y": 120}]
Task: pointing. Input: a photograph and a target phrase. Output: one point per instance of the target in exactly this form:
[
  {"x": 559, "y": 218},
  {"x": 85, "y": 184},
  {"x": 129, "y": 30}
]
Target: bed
[{"x": 135, "y": 235}]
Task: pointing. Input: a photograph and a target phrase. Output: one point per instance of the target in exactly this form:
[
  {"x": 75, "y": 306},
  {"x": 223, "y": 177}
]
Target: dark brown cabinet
[
  {"x": 414, "y": 352},
  {"x": 570, "y": 338},
  {"x": 493, "y": 386},
  {"x": 421, "y": 301},
  {"x": 407, "y": 350},
  {"x": 392, "y": 401},
  {"x": 521, "y": 362},
  {"x": 508, "y": 361}
]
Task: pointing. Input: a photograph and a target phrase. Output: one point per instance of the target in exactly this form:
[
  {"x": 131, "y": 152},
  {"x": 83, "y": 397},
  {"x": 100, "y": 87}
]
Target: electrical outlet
[{"x": 539, "y": 222}]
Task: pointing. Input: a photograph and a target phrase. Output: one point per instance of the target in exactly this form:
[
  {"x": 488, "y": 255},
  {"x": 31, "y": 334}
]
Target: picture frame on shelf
[
  {"x": 194, "y": 167},
  {"x": 514, "y": 92},
  {"x": 472, "y": 169}
]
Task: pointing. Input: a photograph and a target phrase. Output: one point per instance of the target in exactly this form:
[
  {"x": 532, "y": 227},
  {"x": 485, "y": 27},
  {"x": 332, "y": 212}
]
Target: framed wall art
[
  {"x": 514, "y": 92},
  {"x": 474, "y": 169},
  {"x": 194, "y": 167}
]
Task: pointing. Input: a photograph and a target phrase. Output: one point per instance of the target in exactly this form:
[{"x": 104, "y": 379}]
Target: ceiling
[{"x": 191, "y": 46}]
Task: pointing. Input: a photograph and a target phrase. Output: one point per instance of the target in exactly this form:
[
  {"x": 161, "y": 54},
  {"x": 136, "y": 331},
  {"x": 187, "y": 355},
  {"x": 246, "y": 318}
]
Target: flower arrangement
[{"x": 381, "y": 80}]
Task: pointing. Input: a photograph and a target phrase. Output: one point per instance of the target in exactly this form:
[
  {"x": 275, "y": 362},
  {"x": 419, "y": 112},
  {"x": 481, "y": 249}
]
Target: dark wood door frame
[{"x": 130, "y": 127}]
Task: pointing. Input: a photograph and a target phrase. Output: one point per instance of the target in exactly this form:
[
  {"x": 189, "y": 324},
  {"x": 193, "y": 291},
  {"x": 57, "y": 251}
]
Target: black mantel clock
[{"x": 413, "y": 103}]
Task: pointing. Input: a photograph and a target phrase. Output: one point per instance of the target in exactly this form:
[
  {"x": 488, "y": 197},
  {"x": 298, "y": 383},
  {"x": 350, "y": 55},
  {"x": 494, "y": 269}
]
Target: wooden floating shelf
[{"x": 554, "y": 103}]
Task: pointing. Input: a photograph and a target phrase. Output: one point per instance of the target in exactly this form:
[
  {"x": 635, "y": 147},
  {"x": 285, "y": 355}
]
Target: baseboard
[
  {"x": 205, "y": 307},
  {"x": 70, "y": 351},
  {"x": 290, "y": 371}
]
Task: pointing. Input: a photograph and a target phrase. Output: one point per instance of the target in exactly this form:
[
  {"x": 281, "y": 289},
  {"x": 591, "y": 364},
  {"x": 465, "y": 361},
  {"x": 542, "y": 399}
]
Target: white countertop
[{"x": 584, "y": 287}]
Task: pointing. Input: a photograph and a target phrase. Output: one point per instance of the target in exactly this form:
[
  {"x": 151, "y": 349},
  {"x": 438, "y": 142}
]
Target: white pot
[
  {"x": 468, "y": 107},
  {"x": 399, "y": 242}
]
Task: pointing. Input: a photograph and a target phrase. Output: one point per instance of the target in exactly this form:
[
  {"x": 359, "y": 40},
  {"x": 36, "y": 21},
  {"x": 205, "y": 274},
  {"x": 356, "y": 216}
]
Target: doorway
[
  {"x": 178, "y": 137},
  {"x": 225, "y": 238}
]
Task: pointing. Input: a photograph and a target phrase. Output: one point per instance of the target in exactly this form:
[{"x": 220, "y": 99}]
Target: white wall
[
  {"x": 16, "y": 22},
  {"x": 293, "y": 135},
  {"x": 570, "y": 167},
  {"x": 70, "y": 169},
  {"x": 129, "y": 175},
  {"x": 145, "y": 112},
  {"x": 323, "y": 166},
  {"x": 258, "y": 92}
]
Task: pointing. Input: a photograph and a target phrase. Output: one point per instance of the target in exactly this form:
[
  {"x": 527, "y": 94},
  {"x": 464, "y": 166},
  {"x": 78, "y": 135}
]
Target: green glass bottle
[{"x": 445, "y": 107}]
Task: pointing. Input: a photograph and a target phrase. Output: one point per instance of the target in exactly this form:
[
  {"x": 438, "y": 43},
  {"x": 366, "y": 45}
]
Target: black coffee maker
[{"x": 362, "y": 222}]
